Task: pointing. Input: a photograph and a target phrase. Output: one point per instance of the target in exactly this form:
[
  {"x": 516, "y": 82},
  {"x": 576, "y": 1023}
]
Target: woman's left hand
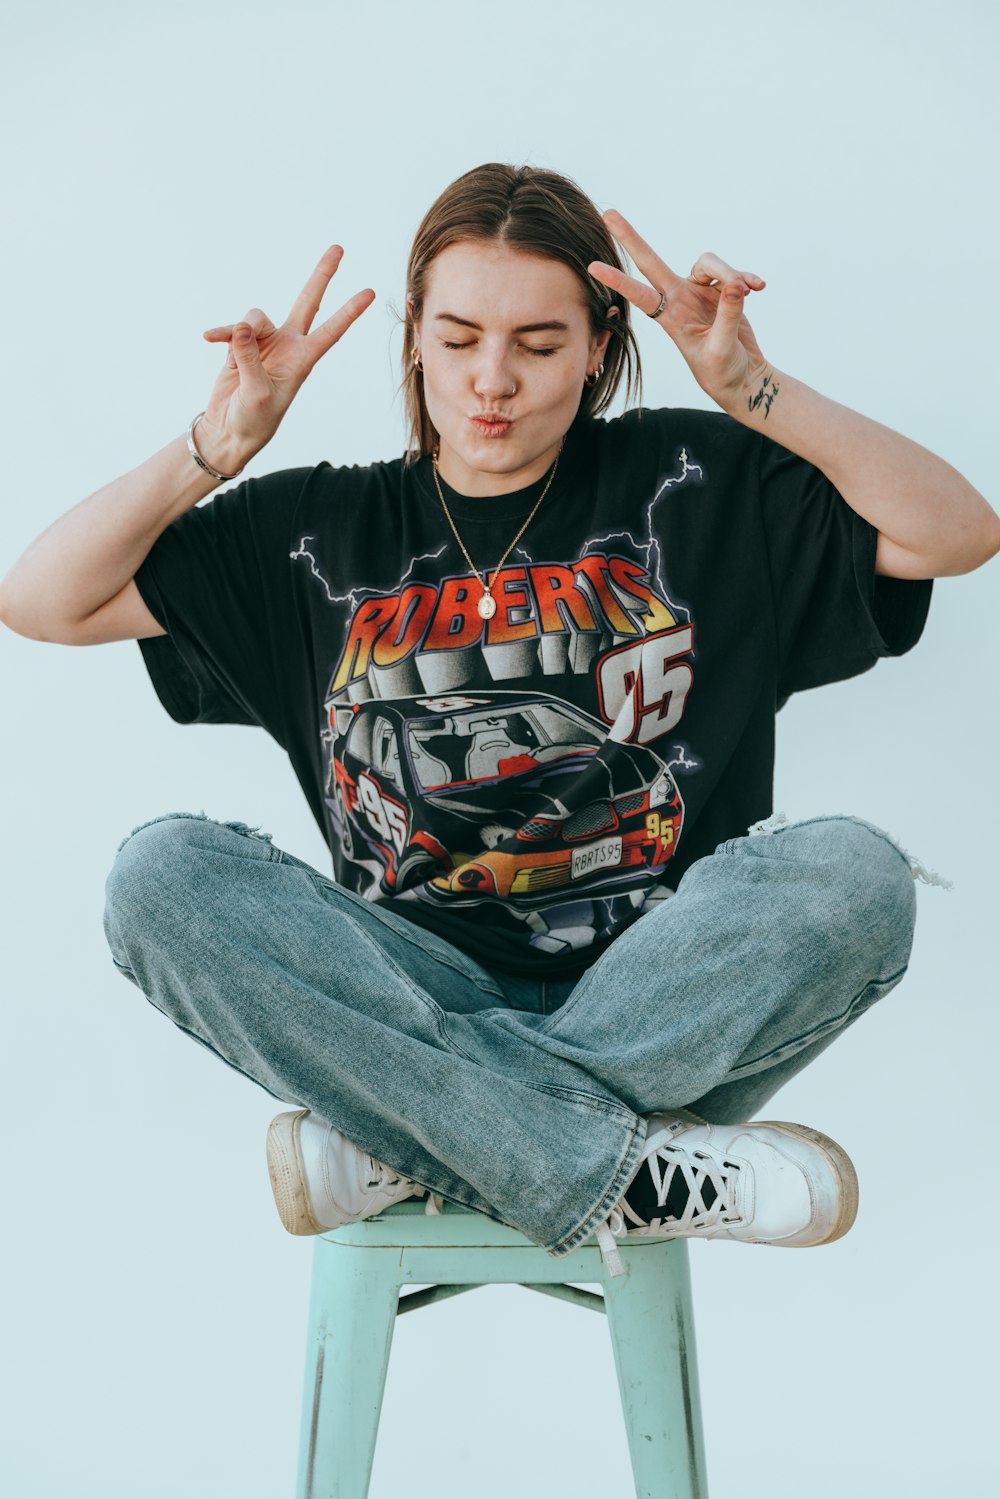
[{"x": 703, "y": 313}]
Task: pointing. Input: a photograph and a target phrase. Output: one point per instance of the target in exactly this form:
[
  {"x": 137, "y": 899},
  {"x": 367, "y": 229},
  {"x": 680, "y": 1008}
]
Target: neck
[{"x": 477, "y": 483}]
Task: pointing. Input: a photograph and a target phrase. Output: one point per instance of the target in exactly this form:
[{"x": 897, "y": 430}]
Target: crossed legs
[{"x": 770, "y": 947}]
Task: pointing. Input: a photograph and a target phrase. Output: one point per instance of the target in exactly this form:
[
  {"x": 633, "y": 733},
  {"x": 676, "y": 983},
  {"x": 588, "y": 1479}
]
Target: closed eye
[{"x": 543, "y": 352}]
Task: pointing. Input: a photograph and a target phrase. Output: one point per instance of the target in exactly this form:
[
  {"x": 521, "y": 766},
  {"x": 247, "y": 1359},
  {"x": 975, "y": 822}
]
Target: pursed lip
[{"x": 490, "y": 416}]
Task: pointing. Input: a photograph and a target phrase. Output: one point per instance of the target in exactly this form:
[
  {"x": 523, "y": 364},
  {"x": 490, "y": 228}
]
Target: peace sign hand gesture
[
  {"x": 703, "y": 314},
  {"x": 265, "y": 366}
]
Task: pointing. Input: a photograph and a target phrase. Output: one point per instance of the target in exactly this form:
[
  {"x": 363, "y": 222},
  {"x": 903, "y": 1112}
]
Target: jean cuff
[{"x": 596, "y": 1214}]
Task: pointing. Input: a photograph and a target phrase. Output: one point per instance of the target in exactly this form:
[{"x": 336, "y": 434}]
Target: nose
[{"x": 494, "y": 377}]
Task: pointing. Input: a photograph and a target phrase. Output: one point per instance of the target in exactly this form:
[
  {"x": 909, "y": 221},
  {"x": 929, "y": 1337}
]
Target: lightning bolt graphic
[
  {"x": 424, "y": 557},
  {"x": 351, "y": 599},
  {"x": 354, "y": 597},
  {"x": 302, "y": 552},
  {"x": 648, "y": 546},
  {"x": 682, "y": 761}
]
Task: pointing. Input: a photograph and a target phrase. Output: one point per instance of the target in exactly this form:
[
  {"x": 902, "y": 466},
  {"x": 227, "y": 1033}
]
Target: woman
[{"x": 527, "y": 677}]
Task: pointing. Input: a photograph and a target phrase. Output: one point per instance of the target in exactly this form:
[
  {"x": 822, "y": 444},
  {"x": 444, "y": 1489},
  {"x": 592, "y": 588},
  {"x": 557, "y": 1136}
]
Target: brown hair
[{"x": 539, "y": 213}]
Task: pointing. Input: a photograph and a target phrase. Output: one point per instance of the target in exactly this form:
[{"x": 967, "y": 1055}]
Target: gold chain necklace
[{"x": 487, "y": 605}]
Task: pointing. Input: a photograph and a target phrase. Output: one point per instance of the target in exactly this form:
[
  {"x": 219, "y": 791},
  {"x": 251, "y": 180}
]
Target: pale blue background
[{"x": 165, "y": 170}]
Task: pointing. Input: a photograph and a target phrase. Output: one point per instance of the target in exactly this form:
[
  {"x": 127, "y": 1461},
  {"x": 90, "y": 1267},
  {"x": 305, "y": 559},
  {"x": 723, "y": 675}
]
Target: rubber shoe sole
[
  {"x": 286, "y": 1169},
  {"x": 832, "y": 1180},
  {"x": 842, "y": 1167}
]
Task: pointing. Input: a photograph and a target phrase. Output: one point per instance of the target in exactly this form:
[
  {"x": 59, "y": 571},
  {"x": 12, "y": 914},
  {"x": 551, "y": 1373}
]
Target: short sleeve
[
  {"x": 834, "y": 617},
  {"x": 218, "y": 580}
]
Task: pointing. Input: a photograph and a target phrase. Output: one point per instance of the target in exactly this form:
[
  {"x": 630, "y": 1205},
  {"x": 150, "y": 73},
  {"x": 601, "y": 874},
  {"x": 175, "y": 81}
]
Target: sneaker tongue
[
  {"x": 643, "y": 1198},
  {"x": 708, "y": 1193}
]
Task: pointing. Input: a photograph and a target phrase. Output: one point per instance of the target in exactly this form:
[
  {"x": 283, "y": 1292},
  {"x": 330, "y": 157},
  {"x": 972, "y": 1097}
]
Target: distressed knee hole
[{"x": 840, "y": 822}]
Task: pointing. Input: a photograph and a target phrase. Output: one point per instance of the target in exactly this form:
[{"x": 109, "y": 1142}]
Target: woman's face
[{"x": 483, "y": 355}]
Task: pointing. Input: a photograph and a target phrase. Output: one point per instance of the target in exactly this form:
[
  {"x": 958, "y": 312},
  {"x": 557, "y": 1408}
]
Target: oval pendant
[{"x": 487, "y": 606}]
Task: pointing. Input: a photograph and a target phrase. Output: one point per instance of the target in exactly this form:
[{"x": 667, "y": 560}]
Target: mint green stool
[{"x": 358, "y": 1274}]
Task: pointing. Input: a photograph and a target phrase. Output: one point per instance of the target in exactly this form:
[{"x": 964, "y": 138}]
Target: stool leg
[
  {"x": 652, "y": 1334},
  {"x": 352, "y": 1315}
]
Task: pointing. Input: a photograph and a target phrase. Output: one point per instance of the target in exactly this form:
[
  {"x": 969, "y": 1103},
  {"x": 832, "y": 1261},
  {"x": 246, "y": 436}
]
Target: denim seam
[
  {"x": 197, "y": 1036},
  {"x": 606, "y": 1106},
  {"x": 557, "y": 1016},
  {"x": 612, "y": 1107},
  {"x": 596, "y": 1215},
  {"x": 435, "y": 1011},
  {"x": 601, "y": 1106},
  {"x": 322, "y": 883},
  {"x": 806, "y": 1038}
]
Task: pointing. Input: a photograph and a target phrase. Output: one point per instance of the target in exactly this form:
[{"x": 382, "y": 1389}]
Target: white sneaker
[
  {"x": 755, "y": 1183},
  {"x": 321, "y": 1180}
]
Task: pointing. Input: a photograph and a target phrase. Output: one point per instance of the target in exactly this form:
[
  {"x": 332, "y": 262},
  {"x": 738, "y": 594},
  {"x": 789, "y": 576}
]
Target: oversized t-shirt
[{"x": 527, "y": 785}]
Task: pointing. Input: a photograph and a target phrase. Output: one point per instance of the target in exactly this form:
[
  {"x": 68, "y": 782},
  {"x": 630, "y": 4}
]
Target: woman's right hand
[{"x": 265, "y": 366}]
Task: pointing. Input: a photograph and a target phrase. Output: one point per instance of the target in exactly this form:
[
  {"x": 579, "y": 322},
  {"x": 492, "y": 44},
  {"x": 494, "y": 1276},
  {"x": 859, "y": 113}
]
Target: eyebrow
[{"x": 450, "y": 317}]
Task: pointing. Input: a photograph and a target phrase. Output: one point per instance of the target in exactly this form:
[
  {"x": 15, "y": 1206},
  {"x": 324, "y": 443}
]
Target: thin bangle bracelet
[{"x": 214, "y": 472}]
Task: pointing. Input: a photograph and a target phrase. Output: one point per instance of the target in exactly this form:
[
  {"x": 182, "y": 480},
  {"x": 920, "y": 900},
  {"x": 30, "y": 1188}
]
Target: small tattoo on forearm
[{"x": 765, "y": 396}]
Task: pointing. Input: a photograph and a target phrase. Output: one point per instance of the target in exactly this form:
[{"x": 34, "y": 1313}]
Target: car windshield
[{"x": 478, "y": 746}]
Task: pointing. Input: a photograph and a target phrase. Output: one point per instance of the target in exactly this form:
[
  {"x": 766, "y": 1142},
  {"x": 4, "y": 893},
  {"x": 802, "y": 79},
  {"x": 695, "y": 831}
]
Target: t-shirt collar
[{"x": 494, "y": 509}]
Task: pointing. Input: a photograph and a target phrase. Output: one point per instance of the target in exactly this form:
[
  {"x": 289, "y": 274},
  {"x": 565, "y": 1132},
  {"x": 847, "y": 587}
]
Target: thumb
[
  {"x": 730, "y": 308},
  {"x": 253, "y": 381},
  {"x": 722, "y": 337}
]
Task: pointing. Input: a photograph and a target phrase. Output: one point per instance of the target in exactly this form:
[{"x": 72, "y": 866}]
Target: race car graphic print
[{"x": 531, "y": 803}]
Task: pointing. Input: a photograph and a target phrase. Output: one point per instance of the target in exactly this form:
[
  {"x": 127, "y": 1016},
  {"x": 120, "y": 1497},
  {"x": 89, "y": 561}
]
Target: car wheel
[
  {"x": 414, "y": 868},
  {"x": 346, "y": 835}
]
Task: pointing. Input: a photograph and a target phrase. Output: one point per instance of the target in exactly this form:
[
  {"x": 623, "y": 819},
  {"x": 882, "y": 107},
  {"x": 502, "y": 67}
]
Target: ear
[{"x": 602, "y": 340}]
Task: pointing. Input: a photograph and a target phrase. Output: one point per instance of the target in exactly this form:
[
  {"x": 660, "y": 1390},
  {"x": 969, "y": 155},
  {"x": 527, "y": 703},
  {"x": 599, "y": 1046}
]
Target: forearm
[
  {"x": 930, "y": 520},
  {"x": 915, "y": 499},
  {"x": 88, "y": 555}
]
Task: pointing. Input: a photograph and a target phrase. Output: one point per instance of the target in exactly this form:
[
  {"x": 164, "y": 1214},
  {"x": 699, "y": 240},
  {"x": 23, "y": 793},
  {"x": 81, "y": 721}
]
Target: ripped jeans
[{"x": 523, "y": 1099}]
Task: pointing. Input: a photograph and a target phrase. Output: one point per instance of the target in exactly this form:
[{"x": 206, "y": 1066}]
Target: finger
[
  {"x": 243, "y": 349},
  {"x": 645, "y": 257},
  {"x": 708, "y": 268},
  {"x": 222, "y": 334},
  {"x": 326, "y": 335},
  {"x": 307, "y": 302},
  {"x": 259, "y": 322},
  {"x": 728, "y": 315},
  {"x": 261, "y": 326},
  {"x": 643, "y": 296}
]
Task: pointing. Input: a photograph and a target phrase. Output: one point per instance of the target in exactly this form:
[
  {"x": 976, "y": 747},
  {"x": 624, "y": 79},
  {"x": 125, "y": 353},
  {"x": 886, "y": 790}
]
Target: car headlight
[{"x": 662, "y": 789}]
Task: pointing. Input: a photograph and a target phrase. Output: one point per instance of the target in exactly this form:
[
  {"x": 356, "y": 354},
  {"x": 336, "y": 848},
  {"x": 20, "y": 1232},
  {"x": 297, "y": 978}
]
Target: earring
[
  {"x": 593, "y": 378},
  {"x": 416, "y": 360}
]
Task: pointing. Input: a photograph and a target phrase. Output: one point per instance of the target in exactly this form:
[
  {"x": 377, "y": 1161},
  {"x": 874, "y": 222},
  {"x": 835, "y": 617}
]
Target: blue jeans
[{"x": 524, "y": 1099}]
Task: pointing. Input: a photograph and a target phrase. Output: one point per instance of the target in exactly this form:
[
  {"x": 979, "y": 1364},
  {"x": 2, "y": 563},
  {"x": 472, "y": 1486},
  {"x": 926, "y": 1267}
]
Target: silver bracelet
[{"x": 214, "y": 472}]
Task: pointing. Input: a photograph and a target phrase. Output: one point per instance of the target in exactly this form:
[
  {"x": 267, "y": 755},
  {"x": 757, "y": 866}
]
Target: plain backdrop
[{"x": 167, "y": 168}]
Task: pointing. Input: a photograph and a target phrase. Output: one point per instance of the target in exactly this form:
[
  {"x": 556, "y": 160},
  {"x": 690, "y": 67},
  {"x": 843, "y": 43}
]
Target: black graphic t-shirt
[{"x": 530, "y": 784}]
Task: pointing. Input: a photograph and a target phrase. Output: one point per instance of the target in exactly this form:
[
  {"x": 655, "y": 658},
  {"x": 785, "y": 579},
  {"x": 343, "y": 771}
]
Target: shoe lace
[
  {"x": 381, "y": 1175},
  {"x": 698, "y": 1170}
]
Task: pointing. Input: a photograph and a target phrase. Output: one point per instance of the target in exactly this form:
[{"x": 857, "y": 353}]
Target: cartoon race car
[{"x": 526, "y": 795}]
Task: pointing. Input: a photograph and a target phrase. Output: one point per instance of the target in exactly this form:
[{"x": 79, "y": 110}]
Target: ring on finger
[{"x": 663, "y": 303}]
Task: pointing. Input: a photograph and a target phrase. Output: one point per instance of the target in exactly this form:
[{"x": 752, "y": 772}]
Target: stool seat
[{"x": 358, "y": 1280}]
